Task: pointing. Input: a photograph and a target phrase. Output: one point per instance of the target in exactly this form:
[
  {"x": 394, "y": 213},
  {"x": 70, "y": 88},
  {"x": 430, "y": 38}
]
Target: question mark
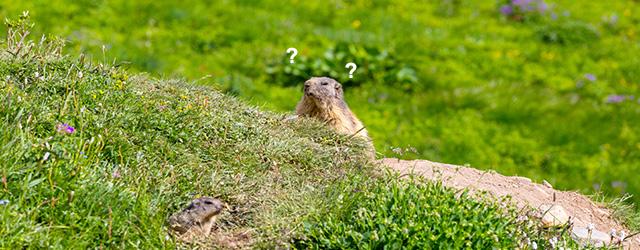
[
  {"x": 353, "y": 67},
  {"x": 295, "y": 52}
]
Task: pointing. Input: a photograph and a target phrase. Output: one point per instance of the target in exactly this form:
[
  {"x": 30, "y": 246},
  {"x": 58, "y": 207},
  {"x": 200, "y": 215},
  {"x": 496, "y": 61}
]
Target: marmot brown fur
[{"x": 324, "y": 99}]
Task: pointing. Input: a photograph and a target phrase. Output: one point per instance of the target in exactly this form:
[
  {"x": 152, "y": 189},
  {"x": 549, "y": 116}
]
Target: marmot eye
[
  {"x": 325, "y": 83},
  {"x": 208, "y": 202}
]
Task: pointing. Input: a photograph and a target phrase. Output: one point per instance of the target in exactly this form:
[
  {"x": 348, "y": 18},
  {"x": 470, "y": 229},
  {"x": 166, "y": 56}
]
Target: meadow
[
  {"x": 549, "y": 92},
  {"x": 93, "y": 156}
]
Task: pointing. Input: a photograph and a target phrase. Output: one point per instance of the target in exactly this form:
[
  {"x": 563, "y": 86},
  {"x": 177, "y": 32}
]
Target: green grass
[
  {"x": 454, "y": 79},
  {"x": 141, "y": 148},
  {"x": 401, "y": 214}
]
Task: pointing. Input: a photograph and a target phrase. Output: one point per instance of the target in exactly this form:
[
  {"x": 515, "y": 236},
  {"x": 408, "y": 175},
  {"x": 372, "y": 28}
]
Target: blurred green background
[{"x": 547, "y": 90}]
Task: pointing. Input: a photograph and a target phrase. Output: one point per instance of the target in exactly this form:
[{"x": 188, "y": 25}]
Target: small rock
[
  {"x": 546, "y": 184},
  {"x": 290, "y": 118},
  {"x": 540, "y": 190},
  {"x": 596, "y": 238},
  {"x": 524, "y": 179},
  {"x": 553, "y": 215}
]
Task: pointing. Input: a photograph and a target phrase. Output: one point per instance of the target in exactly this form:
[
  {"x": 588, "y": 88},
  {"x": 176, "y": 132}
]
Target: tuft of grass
[
  {"x": 415, "y": 214},
  {"x": 622, "y": 209}
]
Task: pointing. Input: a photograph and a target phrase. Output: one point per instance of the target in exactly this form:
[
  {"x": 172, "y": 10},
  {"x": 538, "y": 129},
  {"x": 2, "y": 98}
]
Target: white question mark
[
  {"x": 353, "y": 67},
  {"x": 295, "y": 52}
]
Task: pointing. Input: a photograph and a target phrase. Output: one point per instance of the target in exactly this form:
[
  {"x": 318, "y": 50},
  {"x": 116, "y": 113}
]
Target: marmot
[
  {"x": 196, "y": 220},
  {"x": 324, "y": 99}
]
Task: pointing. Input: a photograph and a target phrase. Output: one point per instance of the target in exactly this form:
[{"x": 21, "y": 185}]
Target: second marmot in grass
[
  {"x": 196, "y": 220},
  {"x": 324, "y": 99}
]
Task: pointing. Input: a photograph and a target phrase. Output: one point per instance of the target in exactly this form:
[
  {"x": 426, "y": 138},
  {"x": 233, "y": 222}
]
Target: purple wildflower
[
  {"x": 618, "y": 184},
  {"x": 590, "y": 77},
  {"x": 521, "y": 3},
  {"x": 524, "y": 6},
  {"x": 4, "y": 202},
  {"x": 554, "y": 16},
  {"x": 543, "y": 7},
  {"x": 529, "y": 7},
  {"x": 115, "y": 174},
  {"x": 613, "y": 19},
  {"x": 615, "y": 98},
  {"x": 506, "y": 10},
  {"x": 65, "y": 128}
]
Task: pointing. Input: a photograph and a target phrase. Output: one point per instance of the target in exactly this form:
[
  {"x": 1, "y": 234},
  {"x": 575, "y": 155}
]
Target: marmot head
[
  {"x": 323, "y": 90},
  {"x": 199, "y": 215},
  {"x": 204, "y": 207}
]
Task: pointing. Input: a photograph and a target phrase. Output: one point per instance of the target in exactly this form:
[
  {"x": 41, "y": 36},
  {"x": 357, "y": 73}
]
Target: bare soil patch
[{"x": 523, "y": 192}]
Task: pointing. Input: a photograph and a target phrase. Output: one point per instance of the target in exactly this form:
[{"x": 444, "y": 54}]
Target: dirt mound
[{"x": 522, "y": 190}]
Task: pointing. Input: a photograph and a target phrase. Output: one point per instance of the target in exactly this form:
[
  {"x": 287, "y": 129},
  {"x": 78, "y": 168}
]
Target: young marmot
[
  {"x": 196, "y": 220},
  {"x": 324, "y": 99}
]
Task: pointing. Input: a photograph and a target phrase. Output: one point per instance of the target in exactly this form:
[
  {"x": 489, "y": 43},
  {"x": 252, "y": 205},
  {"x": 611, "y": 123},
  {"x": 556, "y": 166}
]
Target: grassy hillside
[
  {"x": 94, "y": 157},
  {"x": 549, "y": 94}
]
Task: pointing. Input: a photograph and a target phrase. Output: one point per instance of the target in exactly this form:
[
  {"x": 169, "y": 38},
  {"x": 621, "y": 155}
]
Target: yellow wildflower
[
  {"x": 548, "y": 55},
  {"x": 631, "y": 33},
  {"x": 356, "y": 24},
  {"x": 496, "y": 54},
  {"x": 513, "y": 53}
]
